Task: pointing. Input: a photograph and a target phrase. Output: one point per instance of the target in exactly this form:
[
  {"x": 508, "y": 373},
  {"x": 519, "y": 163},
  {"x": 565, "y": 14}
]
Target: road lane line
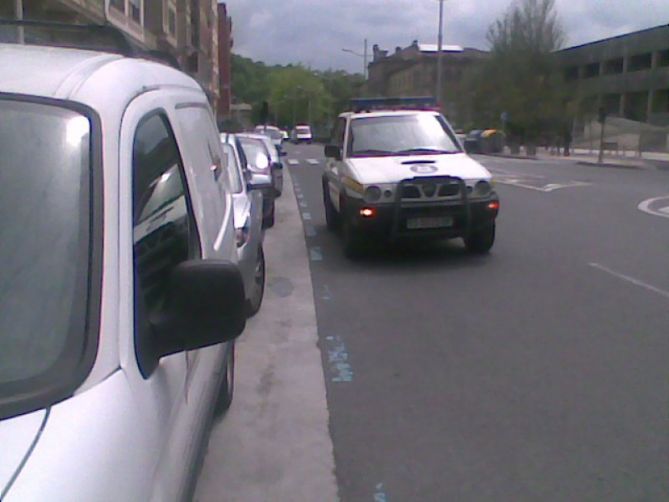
[
  {"x": 645, "y": 207},
  {"x": 306, "y": 216},
  {"x": 309, "y": 230},
  {"x": 631, "y": 280},
  {"x": 338, "y": 358},
  {"x": 313, "y": 162},
  {"x": 293, "y": 162}
]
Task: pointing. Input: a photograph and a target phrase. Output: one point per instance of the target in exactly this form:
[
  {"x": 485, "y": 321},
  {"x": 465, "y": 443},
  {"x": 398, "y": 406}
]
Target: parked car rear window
[{"x": 44, "y": 244}]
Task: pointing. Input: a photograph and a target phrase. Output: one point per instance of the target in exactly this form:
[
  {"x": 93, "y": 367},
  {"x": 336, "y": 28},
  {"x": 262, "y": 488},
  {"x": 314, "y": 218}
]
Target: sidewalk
[
  {"x": 649, "y": 160},
  {"x": 274, "y": 443}
]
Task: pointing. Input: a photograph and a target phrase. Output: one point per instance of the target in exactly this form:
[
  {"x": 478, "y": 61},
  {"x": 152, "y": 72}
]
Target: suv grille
[{"x": 430, "y": 189}]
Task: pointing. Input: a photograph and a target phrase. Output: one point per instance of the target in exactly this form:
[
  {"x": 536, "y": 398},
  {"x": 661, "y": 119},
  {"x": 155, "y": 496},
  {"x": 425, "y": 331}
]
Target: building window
[
  {"x": 136, "y": 11},
  {"x": 640, "y": 62},
  {"x": 172, "y": 21},
  {"x": 663, "y": 58},
  {"x": 118, "y": 5},
  {"x": 613, "y": 66}
]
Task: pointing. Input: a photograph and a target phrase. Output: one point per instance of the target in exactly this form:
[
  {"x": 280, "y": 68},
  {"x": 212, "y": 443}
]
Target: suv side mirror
[
  {"x": 205, "y": 307},
  {"x": 333, "y": 152}
]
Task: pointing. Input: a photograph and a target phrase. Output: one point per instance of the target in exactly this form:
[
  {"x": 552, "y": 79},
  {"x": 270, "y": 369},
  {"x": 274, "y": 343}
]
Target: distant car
[
  {"x": 275, "y": 159},
  {"x": 301, "y": 134},
  {"x": 246, "y": 156},
  {"x": 121, "y": 293},
  {"x": 246, "y": 187},
  {"x": 272, "y": 132},
  {"x": 285, "y": 135},
  {"x": 400, "y": 174}
]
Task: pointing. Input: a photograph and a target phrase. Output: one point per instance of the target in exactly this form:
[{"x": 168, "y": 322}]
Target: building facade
[
  {"x": 627, "y": 75},
  {"x": 225, "y": 44},
  {"x": 185, "y": 29},
  {"x": 412, "y": 71}
]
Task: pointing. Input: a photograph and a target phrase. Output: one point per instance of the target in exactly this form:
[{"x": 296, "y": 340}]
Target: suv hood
[
  {"x": 18, "y": 437},
  {"x": 395, "y": 169}
]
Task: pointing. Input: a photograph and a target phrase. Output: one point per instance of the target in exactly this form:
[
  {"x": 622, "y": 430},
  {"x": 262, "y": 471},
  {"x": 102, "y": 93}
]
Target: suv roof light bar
[
  {"x": 95, "y": 37},
  {"x": 411, "y": 103}
]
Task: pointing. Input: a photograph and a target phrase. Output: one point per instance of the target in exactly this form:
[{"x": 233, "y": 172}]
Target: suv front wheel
[{"x": 480, "y": 241}]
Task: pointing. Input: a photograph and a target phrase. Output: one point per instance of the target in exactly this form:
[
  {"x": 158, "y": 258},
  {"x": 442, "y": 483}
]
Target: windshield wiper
[{"x": 433, "y": 151}]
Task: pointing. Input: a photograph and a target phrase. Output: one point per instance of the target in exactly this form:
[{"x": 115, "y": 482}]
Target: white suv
[
  {"x": 402, "y": 174},
  {"x": 121, "y": 293}
]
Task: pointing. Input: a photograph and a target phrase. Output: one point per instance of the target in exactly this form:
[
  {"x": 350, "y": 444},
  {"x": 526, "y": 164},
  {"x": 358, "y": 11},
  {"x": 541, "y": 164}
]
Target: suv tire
[{"x": 481, "y": 240}]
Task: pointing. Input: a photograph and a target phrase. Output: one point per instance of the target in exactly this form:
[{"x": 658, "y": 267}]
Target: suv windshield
[
  {"x": 415, "y": 134},
  {"x": 44, "y": 240}
]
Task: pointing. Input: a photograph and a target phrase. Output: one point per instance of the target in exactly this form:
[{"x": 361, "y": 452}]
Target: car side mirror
[
  {"x": 333, "y": 152},
  {"x": 258, "y": 181},
  {"x": 205, "y": 306}
]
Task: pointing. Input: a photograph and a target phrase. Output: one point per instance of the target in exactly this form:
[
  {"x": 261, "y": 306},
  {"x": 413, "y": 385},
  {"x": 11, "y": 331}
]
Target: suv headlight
[
  {"x": 482, "y": 188},
  {"x": 372, "y": 193}
]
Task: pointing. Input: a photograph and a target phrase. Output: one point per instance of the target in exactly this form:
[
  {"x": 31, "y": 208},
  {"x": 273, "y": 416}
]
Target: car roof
[
  {"x": 384, "y": 113},
  {"x": 54, "y": 72}
]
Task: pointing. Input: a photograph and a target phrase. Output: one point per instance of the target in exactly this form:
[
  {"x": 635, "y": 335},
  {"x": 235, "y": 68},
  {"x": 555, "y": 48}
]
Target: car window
[
  {"x": 233, "y": 168},
  {"x": 45, "y": 245},
  {"x": 339, "y": 132},
  {"x": 252, "y": 148},
  {"x": 164, "y": 232}
]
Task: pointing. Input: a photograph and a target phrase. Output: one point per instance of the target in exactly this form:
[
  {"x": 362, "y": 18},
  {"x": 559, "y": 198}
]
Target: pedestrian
[{"x": 567, "y": 141}]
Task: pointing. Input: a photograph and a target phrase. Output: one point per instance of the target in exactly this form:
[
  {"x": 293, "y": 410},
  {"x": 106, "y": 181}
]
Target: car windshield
[
  {"x": 44, "y": 243},
  {"x": 415, "y": 134},
  {"x": 253, "y": 148},
  {"x": 233, "y": 169}
]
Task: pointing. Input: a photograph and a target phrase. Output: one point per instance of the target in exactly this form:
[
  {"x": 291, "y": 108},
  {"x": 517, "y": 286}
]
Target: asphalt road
[{"x": 539, "y": 372}]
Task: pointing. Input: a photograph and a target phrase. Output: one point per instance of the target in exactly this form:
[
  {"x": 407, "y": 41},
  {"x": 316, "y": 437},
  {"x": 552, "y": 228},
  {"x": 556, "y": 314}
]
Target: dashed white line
[
  {"x": 306, "y": 216},
  {"x": 313, "y": 162},
  {"x": 631, "y": 280},
  {"x": 293, "y": 162}
]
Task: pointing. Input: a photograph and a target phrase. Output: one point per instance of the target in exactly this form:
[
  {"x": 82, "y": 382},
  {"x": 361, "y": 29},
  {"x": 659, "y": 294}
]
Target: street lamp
[
  {"x": 363, "y": 56},
  {"x": 440, "y": 43}
]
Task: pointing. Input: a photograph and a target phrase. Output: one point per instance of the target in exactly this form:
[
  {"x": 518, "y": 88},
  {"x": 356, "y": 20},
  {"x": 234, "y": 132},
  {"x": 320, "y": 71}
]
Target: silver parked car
[
  {"x": 247, "y": 197},
  {"x": 121, "y": 293},
  {"x": 274, "y": 155}
]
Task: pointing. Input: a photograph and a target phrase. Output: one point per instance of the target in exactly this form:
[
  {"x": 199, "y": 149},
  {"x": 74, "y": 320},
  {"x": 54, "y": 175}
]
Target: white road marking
[
  {"x": 293, "y": 162},
  {"x": 631, "y": 280},
  {"x": 306, "y": 216},
  {"x": 313, "y": 162},
  {"x": 551, "y": 187},
  {"x": 316, "y": 254},
  {"x": 645, "y": 206}
]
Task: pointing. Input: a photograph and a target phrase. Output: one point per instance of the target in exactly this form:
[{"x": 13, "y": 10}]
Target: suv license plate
[{"x": 429, "y": 222}]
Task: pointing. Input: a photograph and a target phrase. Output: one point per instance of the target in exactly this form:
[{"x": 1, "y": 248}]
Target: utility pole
[
  {"x": 440, "y": 43},
  {"x": 18, "y": 8},
  {"x": 364, "y": 59}
]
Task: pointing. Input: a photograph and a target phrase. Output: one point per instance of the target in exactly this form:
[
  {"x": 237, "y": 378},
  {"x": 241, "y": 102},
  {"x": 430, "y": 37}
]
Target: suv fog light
[{"x": 368, "y": 212}]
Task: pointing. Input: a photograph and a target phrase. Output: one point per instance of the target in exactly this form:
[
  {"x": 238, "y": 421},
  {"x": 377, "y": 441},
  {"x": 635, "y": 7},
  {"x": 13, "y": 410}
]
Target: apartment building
[{"x": 186, "y": 29}]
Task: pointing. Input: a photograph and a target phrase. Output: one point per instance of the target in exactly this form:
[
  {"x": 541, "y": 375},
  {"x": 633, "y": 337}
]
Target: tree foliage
[
  {"x": 521, "y": 76},
  {"x": 295, "y": 94}
]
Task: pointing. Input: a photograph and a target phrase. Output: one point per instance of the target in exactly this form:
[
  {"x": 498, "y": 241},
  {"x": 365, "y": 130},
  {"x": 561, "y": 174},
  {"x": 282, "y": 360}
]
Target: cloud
[{"x": 313, "y": 32}]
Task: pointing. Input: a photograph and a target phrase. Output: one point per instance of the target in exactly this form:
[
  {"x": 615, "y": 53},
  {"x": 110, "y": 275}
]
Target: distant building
[
  {"x": 628, "y": 75},
  {"x": 186, "y": 29},
  {"x": 412, "y": 71},
  {"x": 225, "y": 43}
]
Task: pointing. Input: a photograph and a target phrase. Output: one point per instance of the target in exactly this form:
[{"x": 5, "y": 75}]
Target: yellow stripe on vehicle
[{"x": 353, "y": 185}]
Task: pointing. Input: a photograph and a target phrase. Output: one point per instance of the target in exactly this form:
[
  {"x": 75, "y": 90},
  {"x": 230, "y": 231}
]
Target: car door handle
[{"x": 216, "y": 170}]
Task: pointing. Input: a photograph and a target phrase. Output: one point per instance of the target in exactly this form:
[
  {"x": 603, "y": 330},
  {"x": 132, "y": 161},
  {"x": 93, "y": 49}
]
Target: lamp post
[
  {"x": 440, "y": 43},
  {"x": 363, "y": 56},
  {"x": 18, "y": 8}
]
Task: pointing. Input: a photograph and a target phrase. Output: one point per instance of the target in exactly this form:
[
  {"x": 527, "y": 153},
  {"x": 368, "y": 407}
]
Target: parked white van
[{"x": 120, "y": 291}]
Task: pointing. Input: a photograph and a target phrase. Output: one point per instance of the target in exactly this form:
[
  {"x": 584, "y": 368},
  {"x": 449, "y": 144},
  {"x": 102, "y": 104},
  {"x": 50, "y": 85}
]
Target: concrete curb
[
  {"x": 274, "y": 443},
  {"x": 610, "y": 164}
]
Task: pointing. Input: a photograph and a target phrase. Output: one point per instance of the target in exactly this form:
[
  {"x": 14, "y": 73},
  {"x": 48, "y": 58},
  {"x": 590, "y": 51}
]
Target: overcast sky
[{"x": 313, "y": 32}]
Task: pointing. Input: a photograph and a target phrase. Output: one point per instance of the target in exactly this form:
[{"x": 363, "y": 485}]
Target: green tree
[{"x": 521, "y": 77}]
